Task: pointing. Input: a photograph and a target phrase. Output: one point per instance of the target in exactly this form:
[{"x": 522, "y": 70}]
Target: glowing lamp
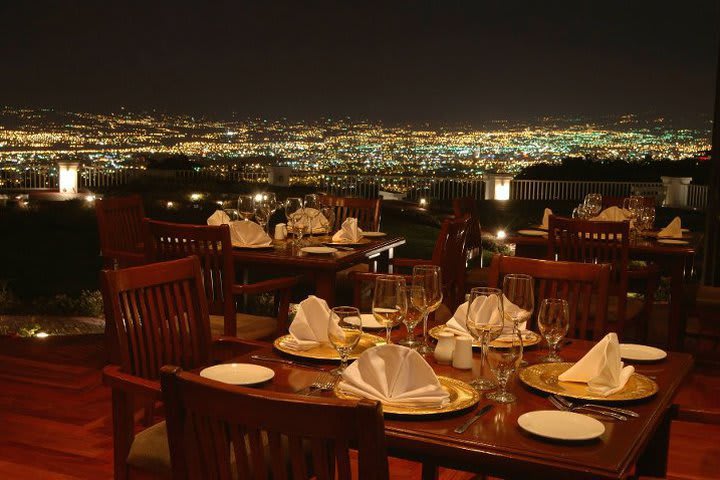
[
  {"x": 68, "y": 177},
  {"x": 195, "y": 197},
  {"x": 501, "y": 235},
  {"x": 423, "y": 202},
  {"x": 42, "y": 335}
]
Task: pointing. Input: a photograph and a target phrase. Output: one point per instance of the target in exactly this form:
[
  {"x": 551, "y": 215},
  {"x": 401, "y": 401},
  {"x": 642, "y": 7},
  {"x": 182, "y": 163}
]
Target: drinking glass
[
  {"x": 294, "y": 213},
  {"x": 389, "y": 305},
  {"x": 593, "y": 204},
  {"x": 271, "y": 201},
  {"x": 518, "y": 300},
  {"x": 262, "y": 214},
  {"x": 504, "y": 361},
  {"x": 246, "y": 206},
  {"x": 581, "y": 212},
  {"x": 232, "y": 214},
  {"x": 312, "y": 210},
  {"x": 415, "y": 296},
  {"x": 429, "y": 277},
  {"x": 345, "y": 340},
  {"x": 553, "y": 322},
  {"x": 484, "y": 330},
  {"x": 327, "y": 219},
  {"x": 646, "y": 222}
]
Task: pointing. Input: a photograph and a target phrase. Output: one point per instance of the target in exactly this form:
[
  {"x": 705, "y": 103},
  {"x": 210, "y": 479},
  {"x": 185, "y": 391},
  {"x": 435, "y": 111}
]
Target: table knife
[
  {"x": 263, "y": 358},
  {"x": 466, "y": 425}
]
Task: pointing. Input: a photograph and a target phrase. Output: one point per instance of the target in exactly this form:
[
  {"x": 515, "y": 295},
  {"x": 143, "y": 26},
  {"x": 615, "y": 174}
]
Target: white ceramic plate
[
  {"x": 560, "y": 425},
  {"x": 253, "y": 247},
  {"x": 671, "y": 241},
  {"x": 319, "y": 250},
  {"x": 532, "y": 233},
  {"x": 238, "y": 373},
  {"x": 369, "y": 322},
  {"x": 373, "y": 234},
  {"x": 633, "y": 351}
]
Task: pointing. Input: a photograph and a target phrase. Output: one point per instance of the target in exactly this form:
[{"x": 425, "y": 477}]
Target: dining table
[
  {"x": 287, "y": 257},
  {"x": 495, "y": 444},
  {"x": 674, "y": 260}
]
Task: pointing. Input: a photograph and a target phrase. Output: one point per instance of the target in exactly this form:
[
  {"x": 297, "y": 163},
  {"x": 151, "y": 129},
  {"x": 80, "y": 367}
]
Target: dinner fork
[
  {"x": 561, "y": 406},
  {"x": 621, "y": 411},
  {"x": 322, "y": 382}
]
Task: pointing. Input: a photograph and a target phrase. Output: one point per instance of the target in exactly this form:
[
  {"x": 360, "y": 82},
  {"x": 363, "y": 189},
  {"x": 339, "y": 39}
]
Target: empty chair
[
  {"x": 367, "y": 211},
  {"x": 120, "y": 227},
  {"x": 165, "y": 241},
  {"x": 157, "y": 314},
  {"x": 606, "y": 242},
  {"x": 223, "y": 431},
  {"x": 585, "y": 286}
]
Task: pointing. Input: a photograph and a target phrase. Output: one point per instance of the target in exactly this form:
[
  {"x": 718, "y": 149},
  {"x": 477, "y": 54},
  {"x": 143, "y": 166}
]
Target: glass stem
[
  {"x": 483, "y": 355},
  {"x": 425, "y": 329},
  {"x": 387, "y": 334}
]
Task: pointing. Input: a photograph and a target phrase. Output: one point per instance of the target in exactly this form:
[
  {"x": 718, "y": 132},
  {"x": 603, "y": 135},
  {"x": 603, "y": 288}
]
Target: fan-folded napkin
[
  {"x": 612, "y": 214},
  {"x": 396, "y": 376},
  {"x": 349, "y": 232},
  {"x": 248, "y": 234},
  {"x": 673, "y": 230},
  {"x": 318, "y": 222},
  {"x": 601, "y": 368},
  {"x": 310, "y": 326},
  {"x": 546, "y": 219},
  {"x": 485, "y": 309},
  {"x": 218, "y": 218}
]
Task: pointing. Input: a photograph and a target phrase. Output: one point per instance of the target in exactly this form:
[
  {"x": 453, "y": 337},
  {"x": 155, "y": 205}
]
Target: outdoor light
[
  {"x": 170, "y": 204},
  {"x": 220, "y": 202},
  {"x": 195, "y": 197},
  {"x": 90, "y": 198},
  {"x": 41, "y": 335},
  {"x": 259, "y": 197},
  {"x": 501, "y": 235},
  {"x": 423, "y": 202}
]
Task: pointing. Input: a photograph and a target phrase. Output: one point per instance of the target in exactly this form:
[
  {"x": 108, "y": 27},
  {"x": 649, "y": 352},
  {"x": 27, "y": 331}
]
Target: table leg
[
  {"x": 653, "y": 461},
  {"x": 383, "y": 261},
  {"x": 676, "y": 327},
  {"x": 325, "y": 286},
  {"x": 430, "y": 471}
]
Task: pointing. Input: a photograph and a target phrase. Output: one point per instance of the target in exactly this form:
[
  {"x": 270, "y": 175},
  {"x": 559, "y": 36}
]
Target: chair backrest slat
[
  {"x": 574, "y": 282},
  {"x": 222, "y": 431},
  {"x": 120, "y": 228}
]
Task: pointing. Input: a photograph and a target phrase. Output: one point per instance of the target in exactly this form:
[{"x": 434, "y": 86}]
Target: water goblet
[
  {"x": 593, "y": 204},
  {"x": 294, "y": 214},
  {"x": 429, "y": 277},
  {"x": 312, "y": 211},
  {"x": 504, "y": 360},
  {"x": 553, "y": 322},
  {"x": 485, "y": 329},
  {"x": 389, "y": 305},
  {"x": 346, "y": 338},
  {"x": 415, "y": 296},
  {"x": 246, "y": 207}
]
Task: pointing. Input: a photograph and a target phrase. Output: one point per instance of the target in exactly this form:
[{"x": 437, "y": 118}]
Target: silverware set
[
  {"x": 621, "y": 414},
  {"x": 322, "y": 383}
]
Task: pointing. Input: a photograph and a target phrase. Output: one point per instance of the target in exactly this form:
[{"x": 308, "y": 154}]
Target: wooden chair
[
  {"x": 476, "y": 275},
  {"x": 120, "y": 227},
  {"x": 449, "y": 255},
  {"x": 166, "y": 241},
  {"x": 157, "y": 314},
  {"x": 367, "y": 211},
  {"x": 605, "y": 242},
  {"x": 585, "y": 286},
  {"x": 223, "y": 431}
]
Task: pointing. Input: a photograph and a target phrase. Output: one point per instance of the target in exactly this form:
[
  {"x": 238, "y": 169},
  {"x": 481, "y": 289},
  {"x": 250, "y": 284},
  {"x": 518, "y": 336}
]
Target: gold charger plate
[
  {"x": 462, "y": 396},
  {"x": 435, "y": 333},
  {"x": 543, "y": 377},
  {"x": 327, "y": 351}
]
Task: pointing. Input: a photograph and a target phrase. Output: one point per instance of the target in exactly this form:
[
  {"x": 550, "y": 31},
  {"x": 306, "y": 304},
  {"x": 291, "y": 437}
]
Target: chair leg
[
  {"x": 429, "y": 471},
  {"x": 123, "y": 434}
]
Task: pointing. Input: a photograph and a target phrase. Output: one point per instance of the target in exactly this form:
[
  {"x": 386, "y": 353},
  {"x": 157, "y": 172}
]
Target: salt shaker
[
  {"x": 462, "y": 355},
  {"x": 280, "y": 231},
  {"x": 444, "y": 348}
]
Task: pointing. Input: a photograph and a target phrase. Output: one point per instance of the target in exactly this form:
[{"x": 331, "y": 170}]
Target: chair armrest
[
  {"x": 284, "y": 283},
  {"x": 409, "y": 262},
  {"x": 115, "y": 378}
]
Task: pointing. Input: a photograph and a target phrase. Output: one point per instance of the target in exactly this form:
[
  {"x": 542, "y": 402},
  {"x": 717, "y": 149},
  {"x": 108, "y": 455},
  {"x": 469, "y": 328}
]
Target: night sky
[{"x": 443, "y": 61}]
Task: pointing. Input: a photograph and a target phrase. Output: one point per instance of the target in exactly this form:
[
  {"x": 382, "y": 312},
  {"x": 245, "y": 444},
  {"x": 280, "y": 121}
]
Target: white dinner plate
[
  {"x": 238, "y": 373},
  {"x": 319, "y": 250},
  {"x": 369, "y": 322},
  {"x": 643, "y": 353},
  {"x": 560, "y": 425},
  {"x": 532, "y": 233},
  {"x": 373, "y": 234},
  {"x": 671, "y": 241}
]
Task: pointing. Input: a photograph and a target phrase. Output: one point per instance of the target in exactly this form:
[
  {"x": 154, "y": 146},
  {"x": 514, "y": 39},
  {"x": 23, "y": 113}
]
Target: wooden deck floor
[{"x": 55, "y": 417}]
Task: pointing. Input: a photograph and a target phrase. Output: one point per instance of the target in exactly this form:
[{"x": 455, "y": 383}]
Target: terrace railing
[
  {"x": 414, "y": 188},
  {"x": 576, "y": 190},
  {"x": 697, "y": 196}
]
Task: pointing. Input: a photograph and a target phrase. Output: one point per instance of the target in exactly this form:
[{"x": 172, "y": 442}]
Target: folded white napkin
[
  {"x": 486, "y": 309},
  {"x": 310, "y": 326},
  {"x": 673, "y": 230},
  {"x": 601, "y": 368},
  {"x": 248, "y": 234},
  {"x": 396, "y": 376},
  {"x": 612, "y": 214},
  {"x": 318, "y": 222},
  {"x": 218, "y": 218},
  {"x": 546, "y": 218},
  {"x": 349, "y": 232}
]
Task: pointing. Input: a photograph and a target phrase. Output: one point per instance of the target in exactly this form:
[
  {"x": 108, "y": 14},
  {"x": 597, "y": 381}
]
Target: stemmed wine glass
[
  {"x": 504, "y": 360},
  {"x": 593, "y": 204},
  {"x": 262, "y": 214},
  {"x": 346, "y": 338},
  {"x": 518, "y": 301},
  {"x": 271, "y": 201},
  {"x": 294, "y": 212},
  {"x": 246, "y": 206},
  {"x": 428, "y": 277},
  {"x": 553, "y": 322},
  {"x": 484, "y": 330},
  {"x": 327, "y": 219},
  {"x": 389, "y": 305},
  {"x": 415, "y": 296},
  {"x": 312, "y": 210}
]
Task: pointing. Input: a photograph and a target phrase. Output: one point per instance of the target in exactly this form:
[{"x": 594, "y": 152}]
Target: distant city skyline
[{"x": 442, "y": 62}]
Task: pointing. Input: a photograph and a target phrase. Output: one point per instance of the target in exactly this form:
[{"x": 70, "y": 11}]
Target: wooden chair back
[
  {"x": 613, "y": 201},
  {"x": 120, "y": 228},
  {"x": 450, "y": 254},
  {"x": 468, "y": 207},
  {"x": 157, "y": 315},
  {"x": 367, "y": 211},
  {"x": 588, "y": 241},
  {"x": 212, "y": 245},
  {"x": 223, "y": 431},
  {"x": 578, "y": 283}
]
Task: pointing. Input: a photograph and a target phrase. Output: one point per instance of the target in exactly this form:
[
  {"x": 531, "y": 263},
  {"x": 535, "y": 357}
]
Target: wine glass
[
  {"x": 345, "y": 338},
  {"x": 593, "y": 204},
  {"x": 430, "y": 279},
  {"x": 271, "y": 201},
  {"x": 553, "y": 322},
  {"x": 646, "y": 222},
  {"x": 485, "y": 329},
  {"x": 312, "y": 210},
  {"x": 504, "y": 360},
  {"x": 262, "y": 214},
  {"x": 327, "y": 219},
  {"x": 389, "y": 305},
  {"x": 246, "y": 206},
  {"x": 294, "y": 214},
  {"x": 518, "y": 301},
  {"x": 415, "y": 296}
]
